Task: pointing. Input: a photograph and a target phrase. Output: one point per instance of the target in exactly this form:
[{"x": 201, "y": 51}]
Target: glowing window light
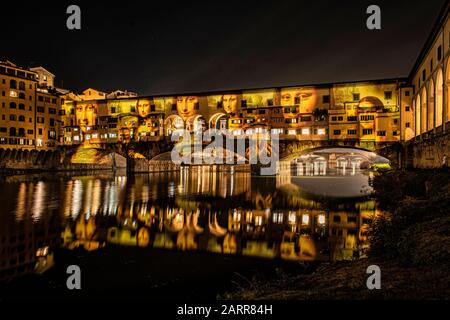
[
  {"x": 305, "y": 219},
  {"x": 321, "y": 132},
  {"x": 321, "y": 219},
  {"x": 292, "y": 132},
  {"x": 306, "y": 131},
  {"x": 292, "y": 217}
]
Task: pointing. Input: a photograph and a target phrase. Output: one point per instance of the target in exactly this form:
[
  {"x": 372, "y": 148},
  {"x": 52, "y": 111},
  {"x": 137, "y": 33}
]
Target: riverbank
[{"x": 411, "y": 245}]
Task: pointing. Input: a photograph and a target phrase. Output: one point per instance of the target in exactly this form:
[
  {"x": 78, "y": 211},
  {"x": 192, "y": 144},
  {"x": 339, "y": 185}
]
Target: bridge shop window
[
  {"x": 305, "y": 118},
  {"x": 367, "y": 131},
  {"x": 336, "y": 132},
  {"x": 381, "y": 133},
  {"x": 352, "y": 132},
  {"x": 388, "y": 95},
  {"x": 352, "y": 118}
]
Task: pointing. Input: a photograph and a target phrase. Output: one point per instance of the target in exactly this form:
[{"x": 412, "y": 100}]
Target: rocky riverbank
[{"x": 411, "y": 245}]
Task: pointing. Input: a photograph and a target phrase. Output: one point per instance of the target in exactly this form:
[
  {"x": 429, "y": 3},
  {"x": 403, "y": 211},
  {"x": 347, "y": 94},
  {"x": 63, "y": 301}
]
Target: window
[
  {"x": 367, "y": 131},
  {"x": 40, "y": 109},
  {"x": 244, "y": 103},
  {"x": 395, "y": 133},
  {"x": 12, "y": 117},
  {"x": 113, "y": 109},
  {"x": 439, "y": 53},
  {"x": 152, "y": 108},
  {"x": 424, "y": 75},
  {"x": 352, "y": 118},
  {"x": 305, "y": 118},
  {"x": 40, "y": 131},
  {"x": 297, "y": 100},
  {"x": 30, "y": 131},
  {"x": 270, "y": 102},
  {"x": 22, "y": 118},
  {"x": 40, "y": 119},
  {"x": 54, "y": 100},
  {"x": 306, "y": 131},
  {"x": 407, "y": 93},
  {"x": 52, "y": 110},
  {"x": 21, "y": 106},
  {"x": 352, "y": 132},
  {"x": 21, "y": 85},
  {"x": 381, "y": 133},
  {"x": 356, "y": 97},
  {"x": 13, "y": 84},
  {"x": 388, "y": 95},
  {"x": 321, "y": 131},
  {"x": 407, "y": 108},
  {"x": 367, "y": 118},
  {"x": 326, "y": 99},
  {"x": 337, "y": 132},
  {"x": 22, "y": 96},
  {"x": 407, "y": 124},
  {"x": 52, "y": 122},
  {"x": 12, "y": 105},
  {"x": 40, "y": 98},
  {"x": 3, "y": 129},
  {"x": 395, "y": 121},
  {"x": 13, "y": 94}
]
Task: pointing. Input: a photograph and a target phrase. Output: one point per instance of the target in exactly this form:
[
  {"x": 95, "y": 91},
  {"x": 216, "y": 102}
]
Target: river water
[{"x": 307, "y": 218}]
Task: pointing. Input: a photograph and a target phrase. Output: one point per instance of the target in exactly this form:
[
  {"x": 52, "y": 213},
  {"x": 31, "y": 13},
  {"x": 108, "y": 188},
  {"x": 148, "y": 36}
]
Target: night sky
[{"x": 174, "y": 47}]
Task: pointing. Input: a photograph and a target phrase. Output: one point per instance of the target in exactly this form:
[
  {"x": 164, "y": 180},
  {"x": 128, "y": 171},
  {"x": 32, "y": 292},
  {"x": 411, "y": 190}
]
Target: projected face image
[
  {"x": 186, "y": 106},
  {"x": 229, "y": 103},
  {"x": 307, "y": 98},
  {"x": 86, "y": 115},
  {"x": 143, "y": 108}
]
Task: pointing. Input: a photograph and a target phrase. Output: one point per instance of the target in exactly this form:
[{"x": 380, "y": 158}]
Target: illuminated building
[
  {"x": 366, "y": 113},
  {"x": 430, "y": 77}
]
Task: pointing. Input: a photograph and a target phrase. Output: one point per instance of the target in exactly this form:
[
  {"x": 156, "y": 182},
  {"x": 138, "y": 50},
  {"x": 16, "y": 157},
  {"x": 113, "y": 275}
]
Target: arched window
[
  {"x": 22, "y": 118},
  {"x": 418, "y": 118},
  {"x": 447, "y": 82},
  {"x": 13, "y": 84},
  {"x": 12, "y": 132},
  {"x": 21, "y": 106},
  {"x": 430, "y": 107},
  {"x": 12, "y": 105},
  {"x": 21, "y": 132},
  {"x": 21, "y": 85},
  {"x": 22, "y": 95},
  {"x": 439, "y": 98},
  {"x": 423, "y": 111}
]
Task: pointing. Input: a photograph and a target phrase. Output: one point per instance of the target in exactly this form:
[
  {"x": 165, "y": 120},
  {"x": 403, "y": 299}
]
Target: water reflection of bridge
[
  {"x": 326, "y": 161},
  {"x": 303, "y": 234}
]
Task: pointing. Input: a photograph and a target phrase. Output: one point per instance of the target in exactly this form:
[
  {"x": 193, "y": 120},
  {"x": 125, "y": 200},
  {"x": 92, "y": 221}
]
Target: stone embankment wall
[
  {"x": 14, "y": 161},
  {"x": 432, "y": 152}
]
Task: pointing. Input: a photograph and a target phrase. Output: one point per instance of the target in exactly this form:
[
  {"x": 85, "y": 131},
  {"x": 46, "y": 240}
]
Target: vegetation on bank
[{"x": 410, "y": 243}]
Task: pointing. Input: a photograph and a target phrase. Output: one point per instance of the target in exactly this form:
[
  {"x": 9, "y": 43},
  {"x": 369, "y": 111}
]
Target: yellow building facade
[{"x": 366, "y": 113}]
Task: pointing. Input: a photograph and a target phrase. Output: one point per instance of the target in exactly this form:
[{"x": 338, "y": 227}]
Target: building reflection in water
[{"x": 198, "y": 209}]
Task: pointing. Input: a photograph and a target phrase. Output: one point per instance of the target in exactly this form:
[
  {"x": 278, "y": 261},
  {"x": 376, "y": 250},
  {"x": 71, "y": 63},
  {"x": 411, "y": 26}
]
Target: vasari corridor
[{"x": 231, "y": 159}]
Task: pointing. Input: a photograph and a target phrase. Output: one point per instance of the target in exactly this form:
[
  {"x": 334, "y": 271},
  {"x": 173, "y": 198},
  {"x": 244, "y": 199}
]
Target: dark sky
[{"x": 173, "y": 47}]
